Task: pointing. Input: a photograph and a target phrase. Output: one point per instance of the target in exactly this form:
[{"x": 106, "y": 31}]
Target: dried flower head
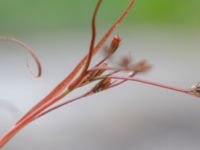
[
  {"x": 92, "y": 74},
  {"x": 125, "y": 62},
  {"x": 111, "y": 49},
  {"x": 195, "y": 89},
  {"x": 102, "y": 85},
  {"x": 141, "y": 67}
]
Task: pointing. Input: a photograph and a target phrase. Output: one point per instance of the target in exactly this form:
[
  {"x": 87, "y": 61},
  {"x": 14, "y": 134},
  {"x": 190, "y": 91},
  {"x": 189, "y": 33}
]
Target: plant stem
[
  {"x": 153, "y": 84},
  {"x": 62, "y": 104},
  {"x": 21, "y": 124},
  {"x": 92, "y": 38}
]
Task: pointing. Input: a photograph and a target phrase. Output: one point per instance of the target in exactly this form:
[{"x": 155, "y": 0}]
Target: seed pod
[
  {"x": 92, "y": 75},
  {"x": 125, "y": 62},
  {"x": 102, "y": 85},
  {"x": 196, "y": 89},
  {"x": 113, "y": 46},
  {"x": 115, "y": 43},
  {"x": 141, "y": 66}
]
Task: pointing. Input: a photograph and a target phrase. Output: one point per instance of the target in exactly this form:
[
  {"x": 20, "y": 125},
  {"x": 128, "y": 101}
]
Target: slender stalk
[
  {"x": 93, "y": 37},
  {"x": 123, "y": 81},
  {"x": 153, "y": 84},
  {"x": 62, "y": 104},
  {"x": 111, "y": 68},
  {"x": 14, "y": 130},
  {"x": 83, "y": 95},
  {"x": 55, "y": 99},
  {"x": 89, "y": 56}
]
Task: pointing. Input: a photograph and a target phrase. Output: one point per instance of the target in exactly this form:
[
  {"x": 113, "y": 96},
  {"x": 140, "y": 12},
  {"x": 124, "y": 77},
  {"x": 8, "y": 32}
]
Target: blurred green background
[{"x": 25, "y": 16}]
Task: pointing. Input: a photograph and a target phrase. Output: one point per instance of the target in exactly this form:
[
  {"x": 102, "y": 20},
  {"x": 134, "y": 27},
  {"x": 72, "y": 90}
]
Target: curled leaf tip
[
  {"x": 39, "y": 68},
  {"x": 30, "y": 50}
]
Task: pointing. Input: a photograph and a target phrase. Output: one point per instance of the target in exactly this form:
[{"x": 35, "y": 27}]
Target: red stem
[
  {"x": 152, "y": 83},
  {"x": 123, "y": 81},
  {"x": 93, "y": 37},
  {"x": 79, "y": 97},
  {"x": 89, "y": 56},
  {"x": 62, "y": 104}
]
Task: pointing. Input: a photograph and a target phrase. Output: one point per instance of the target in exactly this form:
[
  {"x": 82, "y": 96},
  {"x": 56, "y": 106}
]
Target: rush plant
[{"x": 104, "y": 75}]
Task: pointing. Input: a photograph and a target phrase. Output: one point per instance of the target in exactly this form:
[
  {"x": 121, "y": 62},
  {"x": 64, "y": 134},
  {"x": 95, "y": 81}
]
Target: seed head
[
  {"x": 141, "y": 66},
  {"x": 125, "y": 61},
  {"x": 195, "y": 89},
  {"x": 102, "y": 85},
  {"x": 92, "y": 74},
  {"x": 113, "y": 45}
]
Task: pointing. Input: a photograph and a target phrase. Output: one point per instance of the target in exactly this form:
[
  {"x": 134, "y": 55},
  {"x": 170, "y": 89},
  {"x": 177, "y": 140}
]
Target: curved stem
[
  {"x": 93, "y": 37},
  {"x": 89, "y": 56}
]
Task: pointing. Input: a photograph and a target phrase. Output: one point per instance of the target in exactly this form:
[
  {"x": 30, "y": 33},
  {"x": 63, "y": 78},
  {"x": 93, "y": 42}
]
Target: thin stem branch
[
  {"x": 24, "y": 122},
  {"x": 112, "y": 68},
  {"x": 153, "y": 84},
  {"x": 101, "y": 62},
  {"x": 123, "y": 81},
  {"x": 93, "y": 37},
  {"x": 62, "y": 104},
  {"x": 54, "y": 99},
  {"x": 90, "y": 54}
]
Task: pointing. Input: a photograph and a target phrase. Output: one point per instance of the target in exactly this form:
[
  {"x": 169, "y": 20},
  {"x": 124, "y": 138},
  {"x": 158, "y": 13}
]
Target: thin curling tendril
[{"x": 31, "y": 52}]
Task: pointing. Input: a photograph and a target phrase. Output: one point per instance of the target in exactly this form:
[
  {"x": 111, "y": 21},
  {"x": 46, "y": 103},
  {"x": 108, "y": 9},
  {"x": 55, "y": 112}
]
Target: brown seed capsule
[
  {"x": 196, "y": 89},
  {"x": 113, "y": 45},
  {"x": 125, "y": 61},
  {"x": 141, "y": 66},
  {"x": 102, "y": 85},
  {"x": 92, "y": 75}
]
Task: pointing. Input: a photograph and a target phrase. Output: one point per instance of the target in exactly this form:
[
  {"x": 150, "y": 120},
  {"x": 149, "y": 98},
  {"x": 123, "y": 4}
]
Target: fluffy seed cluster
[{"x": 196, "y": 89}]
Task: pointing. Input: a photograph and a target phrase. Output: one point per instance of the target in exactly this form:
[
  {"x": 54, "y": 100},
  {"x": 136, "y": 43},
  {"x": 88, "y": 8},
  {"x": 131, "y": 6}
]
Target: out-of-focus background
[{"x": 130, "y": 117}]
